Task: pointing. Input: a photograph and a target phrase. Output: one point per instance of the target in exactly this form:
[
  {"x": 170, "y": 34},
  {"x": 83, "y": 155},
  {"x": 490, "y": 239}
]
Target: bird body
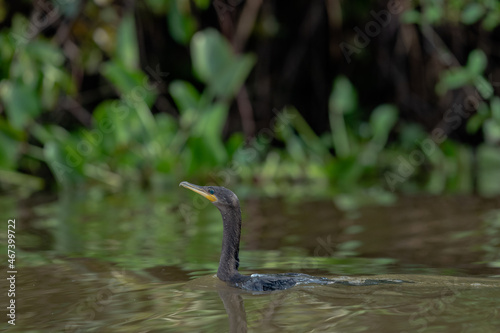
[
  {"x": 229, "y": 206},
  {"x": 270, "y": 282}
]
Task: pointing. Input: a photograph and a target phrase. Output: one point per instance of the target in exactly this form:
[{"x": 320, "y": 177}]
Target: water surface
[{"x": 144, "y": 263}]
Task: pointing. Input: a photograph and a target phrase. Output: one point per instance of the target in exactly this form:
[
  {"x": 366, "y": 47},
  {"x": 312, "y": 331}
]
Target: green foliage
[
  {"x": 129, "y": 143},
  {"x": 31, "y": 81},
  {"x": 127, "y": 51},
  {"x": 343, "y": 159},
  {"x": 342, "y": 100},
  {"x": 21, "y": 103},
  {"x": 217, "y": 66},
  {"x": 489, "y": 105},
  {"x": 471, "y": 74},
  {"x": 126, "y": 142},
  {"x": 487, "y": 116},
  {"x": 181, "y": 23},
  {"x": 486, "y": 12},
  {"x": 472, "y": 12}
]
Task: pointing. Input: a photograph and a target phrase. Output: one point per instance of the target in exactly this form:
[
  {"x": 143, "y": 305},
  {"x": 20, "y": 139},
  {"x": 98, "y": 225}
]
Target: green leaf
[
  {"x": 6, "y": 51},
  {"x": 49, "y": 133},
  {"x": 472, "y": 13},
  {"x": 492, "y": 20},
  {"x": 495, "y": 108},
  {"x": 343, "y": 98},
  {"x": 158, "y": 6},
  {"x": 354, "y": 229},
  {"x": 45, "y": 52},
  {"x": 147, "y": 120},
  {"x": 453, "y": 79},
  {"x": 409, "y": 134},
  {"x": 57, "y": 160},
  {"x": 296, "y": 149},
  {"x": 216, "y": 65},
  {"x": 113, "y": 118},
  {"x": 306, "y": 133},
  {"x": 19, "y": 35},
  {"x": 15, "y": 134},
  {"x": 188, "y": 103},
  {"x": 491, "y": 131},
  {"x": 433, "y": 13},
  {"x": 475, "y": 122},
  {"x": 477, "y": 61},
  {"x": 232, "y": 77},
  {"x": 211, "y": 121},
  {"x": 349, "y": 245},
  {"x": 211, "y": 54},
  {"x": 235, "y": 142},
  {"x": 9, "y": 149},
  {"x": 382, "y": 119},
  {"x": 127, "y": 51},
  {"x": 202, "y": 4},
  {"x": 132, "y": 84},
  {"x": 54, "y": 81},
  {"x": 483, "y": 86},
  {"x": 184, "y": 94},
  {"x": 411, "y": 17},
  {"x": 458, "y": 77},
  {"x": 205, "y": 145},
  {"x": 181, "y": 22},
  {"x": 21, "y": 103},
  {"x": 22, "y": 180}
]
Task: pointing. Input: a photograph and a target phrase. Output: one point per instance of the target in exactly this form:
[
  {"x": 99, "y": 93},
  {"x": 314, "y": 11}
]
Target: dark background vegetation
[{"x": 68, "y": 66}]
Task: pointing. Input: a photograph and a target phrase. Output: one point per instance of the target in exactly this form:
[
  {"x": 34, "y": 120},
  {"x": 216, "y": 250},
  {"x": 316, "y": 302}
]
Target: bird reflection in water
[{"x": 235, "y": 309}]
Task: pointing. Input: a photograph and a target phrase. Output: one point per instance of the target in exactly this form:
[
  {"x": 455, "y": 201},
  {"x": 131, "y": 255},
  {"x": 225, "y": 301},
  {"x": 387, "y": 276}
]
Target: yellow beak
[{"x": 199, "y": 190}]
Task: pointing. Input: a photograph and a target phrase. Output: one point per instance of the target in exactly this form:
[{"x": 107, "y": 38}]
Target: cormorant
[{"x": 229, "y": 206}]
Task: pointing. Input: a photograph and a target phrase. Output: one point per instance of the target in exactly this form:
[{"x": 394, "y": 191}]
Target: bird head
[{"x": 218, "y": 195}]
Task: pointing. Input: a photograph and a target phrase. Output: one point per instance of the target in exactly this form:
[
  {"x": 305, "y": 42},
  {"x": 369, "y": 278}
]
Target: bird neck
[{"x": 229, "y": 260}]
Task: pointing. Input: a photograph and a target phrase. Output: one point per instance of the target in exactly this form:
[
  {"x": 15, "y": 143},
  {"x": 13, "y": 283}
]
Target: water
[{"x": 143, "y": 263}]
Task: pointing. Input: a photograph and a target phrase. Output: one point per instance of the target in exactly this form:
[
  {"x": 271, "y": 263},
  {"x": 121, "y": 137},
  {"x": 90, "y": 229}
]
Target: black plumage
[{"x": 229, "y": 206}]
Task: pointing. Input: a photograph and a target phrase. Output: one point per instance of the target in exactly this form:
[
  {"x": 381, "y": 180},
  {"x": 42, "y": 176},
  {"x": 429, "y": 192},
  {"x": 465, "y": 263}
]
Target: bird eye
[{"x": 211, "y": 191}]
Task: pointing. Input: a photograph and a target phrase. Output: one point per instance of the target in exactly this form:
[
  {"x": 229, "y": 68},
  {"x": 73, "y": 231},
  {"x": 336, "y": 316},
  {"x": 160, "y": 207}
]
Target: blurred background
[
  {"x": 395, "y": 96},
  {"x": 378, "y": 120}
]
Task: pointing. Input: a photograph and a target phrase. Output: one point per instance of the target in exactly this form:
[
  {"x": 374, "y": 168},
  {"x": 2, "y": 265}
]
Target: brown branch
[
  {"x": 243, "y": 31},
  {"x": 238, "y": 39},
  {"x": 246, "y": 113},
  {"x": 246, "y": 24}
]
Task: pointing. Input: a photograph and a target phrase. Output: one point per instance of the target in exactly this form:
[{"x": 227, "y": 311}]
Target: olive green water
[{"x": 139, "y": 263}]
